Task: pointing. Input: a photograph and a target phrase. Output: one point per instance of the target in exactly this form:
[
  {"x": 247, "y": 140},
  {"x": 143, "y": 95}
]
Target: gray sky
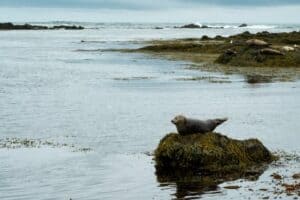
[{"x": 276, "y": 11}]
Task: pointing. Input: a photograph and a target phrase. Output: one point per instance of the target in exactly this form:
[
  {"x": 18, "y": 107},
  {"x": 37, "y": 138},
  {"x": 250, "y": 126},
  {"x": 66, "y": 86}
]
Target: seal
[
  {"x": 269, "y": 51},
  {"x": 288, "y": 48},
  {"x": 187, "y": 126},
  {"x": 256, "y": 42}
]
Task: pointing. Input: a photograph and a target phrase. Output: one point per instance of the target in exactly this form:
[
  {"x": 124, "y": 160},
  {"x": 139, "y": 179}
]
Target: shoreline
[{"x": 277, "y": 60}]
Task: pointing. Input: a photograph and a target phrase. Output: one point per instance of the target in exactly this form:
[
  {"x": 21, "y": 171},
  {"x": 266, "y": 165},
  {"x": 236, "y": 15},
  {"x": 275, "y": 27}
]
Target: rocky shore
[
  {"x": 11, "y": 26},
  {"x": 264, "y": 57},
  {"x": 262, "y": 49}
]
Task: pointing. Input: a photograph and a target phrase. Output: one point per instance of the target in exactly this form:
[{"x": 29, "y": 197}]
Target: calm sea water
[{"x": 119, "y": 105}]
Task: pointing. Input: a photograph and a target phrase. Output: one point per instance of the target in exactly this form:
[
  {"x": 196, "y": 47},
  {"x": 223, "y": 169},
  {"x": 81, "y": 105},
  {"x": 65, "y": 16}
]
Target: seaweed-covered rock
[{"x": 210, "y": 153}]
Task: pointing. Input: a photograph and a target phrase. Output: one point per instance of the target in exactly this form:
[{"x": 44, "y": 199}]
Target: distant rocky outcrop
[
  {"x": 73, "y": 27},
  {"x": 193, "y": 26},
  {"x": 243, "y": 25},
  {"x": 11, "y": 26}
]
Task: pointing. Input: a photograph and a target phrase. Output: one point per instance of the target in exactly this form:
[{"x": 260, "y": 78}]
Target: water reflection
[{"x": 192, "y": 185}]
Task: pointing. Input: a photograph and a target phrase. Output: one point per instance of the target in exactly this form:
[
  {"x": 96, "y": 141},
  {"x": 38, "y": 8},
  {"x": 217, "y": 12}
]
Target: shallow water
[{"x": 120, "y": 106}]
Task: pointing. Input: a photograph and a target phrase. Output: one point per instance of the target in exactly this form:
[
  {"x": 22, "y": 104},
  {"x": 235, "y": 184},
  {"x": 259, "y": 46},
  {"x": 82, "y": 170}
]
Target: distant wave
[
  {"x": 236, "y": 26},
  {"x": 261, "y": 26},
  {"x": 227, "y": 26}
]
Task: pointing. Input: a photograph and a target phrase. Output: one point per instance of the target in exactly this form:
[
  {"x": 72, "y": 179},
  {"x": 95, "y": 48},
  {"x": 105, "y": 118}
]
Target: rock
[
  {"x": 245, "y": 34},
  {"x": 243, "y": 25},
  {"x": 269, "y": 51},
  {"x": 226, "y": 56},
  {"x": 296, "y": 176},
  {"x": 232, "y": 187},
  {"x": 194, "y": 26},
  {"x": 191, "y": 26},
  {"x": 256, "y": 42},
  {"x": 68, "y": 27},
  {"x": 291, "y": 188},
  {"x": 288, "y": 48},
  {"x": 210, "y": 153},
  {"x": 256, "y": 78},
  {"x": 276, "y": 176},
  {"x": 205, "y": 37},
  {"x": 11, "y": 26},
  {"x": 263, "y": 189},
  {"x": 6, "y": 26},
  {"x": 219, "y": 37},
  {"x": 231, "y": 52}
]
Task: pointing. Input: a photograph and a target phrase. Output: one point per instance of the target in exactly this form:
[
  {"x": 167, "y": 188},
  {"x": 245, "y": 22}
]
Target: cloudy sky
[{"x": 251, "y": 11}]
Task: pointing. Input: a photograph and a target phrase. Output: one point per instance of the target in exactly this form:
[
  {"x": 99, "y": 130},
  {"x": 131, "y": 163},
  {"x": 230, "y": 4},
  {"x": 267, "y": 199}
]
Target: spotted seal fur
[{"x": 187, "y": 126}]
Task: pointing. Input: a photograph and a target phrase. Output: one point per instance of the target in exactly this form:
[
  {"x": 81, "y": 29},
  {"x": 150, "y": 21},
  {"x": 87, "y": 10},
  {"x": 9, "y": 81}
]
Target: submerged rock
[
  {"x": 211, "y": 154},
  {"x": 256, "y": 78}
]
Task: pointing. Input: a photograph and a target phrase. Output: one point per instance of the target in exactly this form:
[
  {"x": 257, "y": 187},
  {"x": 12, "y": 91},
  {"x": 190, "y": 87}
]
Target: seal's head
[{"x": 179, "y": 120}]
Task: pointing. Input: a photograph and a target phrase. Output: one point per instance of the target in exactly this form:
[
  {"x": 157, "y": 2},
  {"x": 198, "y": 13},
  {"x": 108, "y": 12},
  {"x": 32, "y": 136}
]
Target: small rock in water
[
  {"x": 276, "y": 176},
  {"x": 243, "y": 25},
  {"x": 232, "y": 187},
  {"x": 263, "y": 189},
  {"x": 296, "y": 176},
  {"x": 191, "y": 26}
]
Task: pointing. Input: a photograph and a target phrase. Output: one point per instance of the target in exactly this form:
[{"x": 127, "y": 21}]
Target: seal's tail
[{"x": 221, "y": 120}]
